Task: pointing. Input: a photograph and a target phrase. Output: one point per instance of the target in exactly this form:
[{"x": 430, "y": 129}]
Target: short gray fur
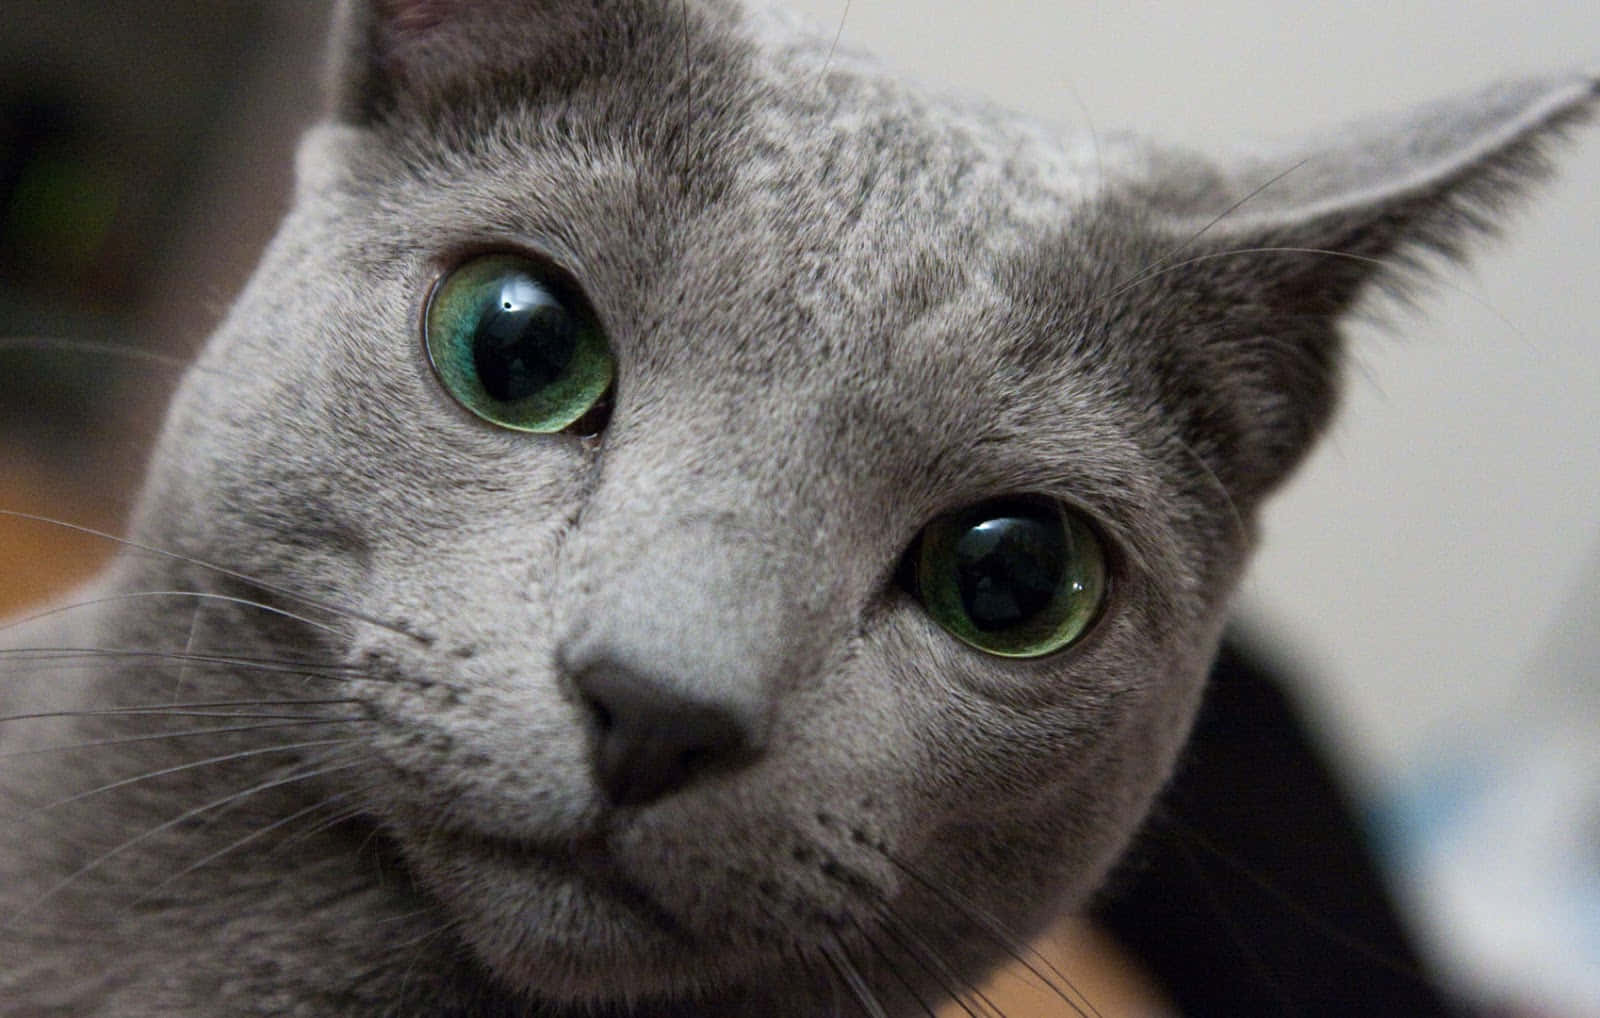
[{"x": 840, "y": 307}]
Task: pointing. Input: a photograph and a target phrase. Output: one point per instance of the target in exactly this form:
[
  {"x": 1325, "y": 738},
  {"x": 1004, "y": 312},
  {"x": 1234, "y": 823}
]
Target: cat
[{"x": 684, "y": 522}]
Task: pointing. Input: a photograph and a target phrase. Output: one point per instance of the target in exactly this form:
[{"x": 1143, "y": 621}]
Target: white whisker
[
  {"x": 232, "y": 847},
  {"x": 923, "y": 953},
  {"x": 180, "y": 768},
  {"x": 187, "y": 711},
  {"x": 181, "y": 734},
  {"x": 1254, "y": 193},
  {"x": 1241, "y": 528},
  {"x": 1390, "y": 264},
  {"x": 833, "y": 47},
  {"x": 197, "y": 594},
  {"x": 138, "y": 839},
  {"x": 331, "y": 609},
  {"x": 94, "y": 347},
  {"x": 894, "y": 970},
  {"x": 287, "y": 666},
  {"x": 1055, "y": 981},
  {"x": 853, "y": 980}
]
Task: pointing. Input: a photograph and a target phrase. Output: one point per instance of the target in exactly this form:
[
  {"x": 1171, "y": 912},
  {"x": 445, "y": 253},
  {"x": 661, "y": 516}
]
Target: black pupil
[
  {"x": 524, "y": 340},
  {"x": 1008, "y": 569}
]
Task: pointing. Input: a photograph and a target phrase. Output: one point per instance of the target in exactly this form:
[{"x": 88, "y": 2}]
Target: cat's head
[{"x": 892, "y": 463}]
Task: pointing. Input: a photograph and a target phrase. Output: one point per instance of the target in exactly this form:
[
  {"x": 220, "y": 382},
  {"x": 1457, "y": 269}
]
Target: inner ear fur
[{"x": 1304, "y": 233}]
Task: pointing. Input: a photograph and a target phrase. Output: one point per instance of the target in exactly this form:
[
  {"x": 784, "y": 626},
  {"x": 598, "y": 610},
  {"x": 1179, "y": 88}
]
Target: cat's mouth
[
  {"x": 564, "y": 921},
  {"x": 532, "y": 879},
  {"x": 582, "y": 920},
  {"x": 585, "y": 862}
]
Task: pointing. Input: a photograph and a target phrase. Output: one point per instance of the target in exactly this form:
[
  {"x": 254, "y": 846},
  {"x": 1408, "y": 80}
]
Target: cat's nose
[
  {"x": 677, "y": 652},
  {"x": 652, "y": 735}
]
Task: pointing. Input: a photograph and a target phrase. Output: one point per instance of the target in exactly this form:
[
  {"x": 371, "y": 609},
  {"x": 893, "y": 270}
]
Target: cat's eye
[
  {"x": 514, "y": 341},
  {"x": 1016, "y": 577}
]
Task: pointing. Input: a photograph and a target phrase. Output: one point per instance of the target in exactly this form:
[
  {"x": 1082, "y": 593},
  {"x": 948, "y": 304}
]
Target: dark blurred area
[{"x": 145, "y": 154}]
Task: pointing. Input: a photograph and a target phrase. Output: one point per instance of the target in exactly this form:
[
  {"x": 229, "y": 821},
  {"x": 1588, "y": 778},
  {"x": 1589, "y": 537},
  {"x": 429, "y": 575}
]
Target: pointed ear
[
  {"x": 380, "y": 46},
  {"x": 1389, "y": 193},
  {"x": 1303, "y": 233},
  {"x": 391, "y": 53}
]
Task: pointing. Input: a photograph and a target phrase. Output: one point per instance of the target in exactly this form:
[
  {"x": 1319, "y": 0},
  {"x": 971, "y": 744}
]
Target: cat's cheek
[
  {"x": 476, "y": 742},
  {"x": 1063, "y": 754}
]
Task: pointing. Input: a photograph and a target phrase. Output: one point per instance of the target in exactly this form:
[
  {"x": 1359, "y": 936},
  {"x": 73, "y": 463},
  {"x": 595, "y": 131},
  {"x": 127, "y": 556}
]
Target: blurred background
[
  {"x": 144, "y": 158},
  {"x": 1433, "y": 575}
]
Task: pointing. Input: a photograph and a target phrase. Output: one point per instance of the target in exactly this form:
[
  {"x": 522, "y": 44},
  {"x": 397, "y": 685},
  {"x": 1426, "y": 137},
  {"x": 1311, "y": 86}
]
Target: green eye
[
  {"x": 514, "y": 342},
  {"x": 1015, "y": 577}
]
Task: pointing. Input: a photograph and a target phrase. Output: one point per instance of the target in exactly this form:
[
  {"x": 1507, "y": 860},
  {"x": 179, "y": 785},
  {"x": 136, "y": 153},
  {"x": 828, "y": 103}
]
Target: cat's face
[
  {"x": 836, "y": 314},
  {"x": 668, "y": 700}
]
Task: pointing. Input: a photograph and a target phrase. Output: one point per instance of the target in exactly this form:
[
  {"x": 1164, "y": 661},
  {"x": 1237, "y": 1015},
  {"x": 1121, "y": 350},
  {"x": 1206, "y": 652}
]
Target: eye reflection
[
  {"x": 1021, "y": 576},
  {"x": 515, "y": 342}
]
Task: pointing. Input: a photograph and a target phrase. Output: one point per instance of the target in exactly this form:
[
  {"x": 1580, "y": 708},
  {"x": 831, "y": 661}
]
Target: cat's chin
[{"x": 565, "y": 923}]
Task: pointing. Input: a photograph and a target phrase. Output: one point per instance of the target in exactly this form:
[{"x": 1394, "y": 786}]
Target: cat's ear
[
  {"x": 1304, "y": 232},
  {"x": 386, "y": 49},
  {"x": 1423, "y": 182},
  {"x": 395, "y": 52}
]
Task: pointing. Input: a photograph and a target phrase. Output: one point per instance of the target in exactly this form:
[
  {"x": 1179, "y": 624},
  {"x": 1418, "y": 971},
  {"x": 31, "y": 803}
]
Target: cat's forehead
[
  {"x": 788, "y": 180},
  {"x": 805, "y": 258},
  {"x": 809, "y": 147}
]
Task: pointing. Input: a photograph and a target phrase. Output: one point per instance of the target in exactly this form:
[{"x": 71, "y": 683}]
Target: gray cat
[{"x": 682, "y": 522}]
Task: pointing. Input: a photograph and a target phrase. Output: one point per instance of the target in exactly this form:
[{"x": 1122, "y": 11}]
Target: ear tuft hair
[
  {"x": 1392, "y": 192},
  {"x": 1310, "y": 230}
]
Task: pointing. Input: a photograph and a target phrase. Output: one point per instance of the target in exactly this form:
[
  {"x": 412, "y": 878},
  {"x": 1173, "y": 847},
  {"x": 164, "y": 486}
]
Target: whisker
[
  {"x": 408, "y": 916},
  {"x": 419, "y": 942},
  {"x": 138, "y": 839},
  {"x": 1160, "y": 270},
  {"x": 1153, "y": 269},
  {"x": 182, "y": 734},
  {"x": 286, "y": 666},
  {"x": 894, "y": 970},
  {"x": 1189, "y": 242},
  {"x": 1236, "y": 516},
  {"x": 188, "y": 648},
  {"x": 197, "y": 594},
  {"x": 232, "y": 715},
  {"x": 162, "y": 708},
  {"x": 232, "y": 847},
  {"x": 924, "y": 954},
  {"x": 1056, "y": 982},
  {"x": 244, "y": 716},
  {"x": 1257, "y": 966},
  {"x": 310, "y": 760},
  {"x": 833, "y": 47},
  {"x": 853, "y": 980},
  {"x": 1313, "y": 920},
  {"x": 89, "y": 346},
  {"x": 335, "y": 610},
  {"x": 824, "y": 976},
  {"x": 180, "y": 768},
  {"x": 444, "y": 924},
  {"x": 334, "y": 821}
]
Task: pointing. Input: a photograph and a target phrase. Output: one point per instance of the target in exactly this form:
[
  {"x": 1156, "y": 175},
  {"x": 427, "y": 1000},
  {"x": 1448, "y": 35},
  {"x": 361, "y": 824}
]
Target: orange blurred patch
[
  {"x": 39, "y": 561},
  {"x": 1103, "y": 980}
]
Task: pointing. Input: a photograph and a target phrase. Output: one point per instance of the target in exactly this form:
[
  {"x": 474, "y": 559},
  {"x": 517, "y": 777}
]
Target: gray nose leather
[
  {"x": 653, "y": 733},
  {"x": 681, "y": 648}
]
